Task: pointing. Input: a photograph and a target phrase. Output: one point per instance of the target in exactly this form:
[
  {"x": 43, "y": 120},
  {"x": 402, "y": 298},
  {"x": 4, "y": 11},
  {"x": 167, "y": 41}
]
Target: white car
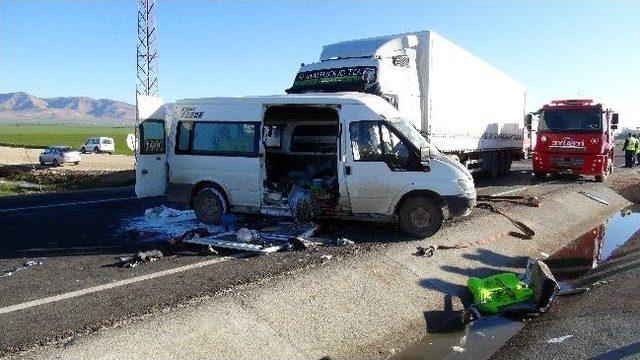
[
  {"x": 98, "y": 145},
  {"x": 58, "y": 155}
]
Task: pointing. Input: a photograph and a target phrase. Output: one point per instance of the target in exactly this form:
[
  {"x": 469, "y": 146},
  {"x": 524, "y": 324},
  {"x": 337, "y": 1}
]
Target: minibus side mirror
[
  {"x": 425, "y": 153},
  {"x": 528, "y": 119}
]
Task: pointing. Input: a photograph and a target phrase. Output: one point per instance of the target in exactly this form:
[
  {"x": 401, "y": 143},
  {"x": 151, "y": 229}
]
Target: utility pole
[{"x": 147, "y": 59}]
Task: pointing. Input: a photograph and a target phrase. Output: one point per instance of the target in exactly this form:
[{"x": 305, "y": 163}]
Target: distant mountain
[{"x": 23, "y": 107}]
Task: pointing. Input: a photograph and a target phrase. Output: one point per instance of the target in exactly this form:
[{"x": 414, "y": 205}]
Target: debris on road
[
  {"x": 559, "y": 339},
  {"x": 344, "y": 242},
  {"x": 573, "y": 291},
  {"x": 497, "y": 291},
  {"x": 531, "y": 294},
  {"x": 458, "y": 349},
  {"x": 526, "y": 200},
  {"x": 168, "y": 214},
  {"x": 527, "y": 232},
  {"x": 595, "y": 198},
  {"x": 25, "y": 265},
  {"x": 326, "y": 257},
  {"x": 425, "y": 251},
  {"x": 140, "y": 257}
]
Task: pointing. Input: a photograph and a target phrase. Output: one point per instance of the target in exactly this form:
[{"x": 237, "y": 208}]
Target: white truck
[
  {"x": 347, "y": 155},
  {"x": 460, "y": 103}
]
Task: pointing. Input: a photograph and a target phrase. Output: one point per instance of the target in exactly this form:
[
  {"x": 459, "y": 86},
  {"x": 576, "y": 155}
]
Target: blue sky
[{"x": 224, "y": 48}]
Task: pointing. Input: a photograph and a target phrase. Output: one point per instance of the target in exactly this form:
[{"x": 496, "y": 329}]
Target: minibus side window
[
  {"x": 365, "y": 141},
  {"x": 225, "y": 138},
  {"x": 183, "y": 135},
  {"x": 396, "y": 153},
  {"x": 152, "y": 137}
]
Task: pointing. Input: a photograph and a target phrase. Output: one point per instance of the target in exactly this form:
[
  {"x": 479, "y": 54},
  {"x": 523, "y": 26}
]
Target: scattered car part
[{"x": 595, "y": 198}]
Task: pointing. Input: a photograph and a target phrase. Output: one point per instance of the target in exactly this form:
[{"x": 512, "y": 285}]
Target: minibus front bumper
[{"x": 460, "y": 205}]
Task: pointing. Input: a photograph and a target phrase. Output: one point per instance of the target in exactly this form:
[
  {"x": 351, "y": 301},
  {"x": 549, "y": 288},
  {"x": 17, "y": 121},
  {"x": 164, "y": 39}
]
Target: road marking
[
  {"x": 68, "y": 204},
  {"x": 73, "y": 294},
  {"x": 524, "y": 188}
]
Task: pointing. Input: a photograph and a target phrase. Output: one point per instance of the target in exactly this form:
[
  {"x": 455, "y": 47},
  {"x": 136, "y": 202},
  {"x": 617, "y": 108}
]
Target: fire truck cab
[{"x": 575, "y": 137}]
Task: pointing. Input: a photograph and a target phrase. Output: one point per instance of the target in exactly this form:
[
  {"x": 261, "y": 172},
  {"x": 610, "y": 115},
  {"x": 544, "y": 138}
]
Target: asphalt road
[{"x": 79, "y": 235}]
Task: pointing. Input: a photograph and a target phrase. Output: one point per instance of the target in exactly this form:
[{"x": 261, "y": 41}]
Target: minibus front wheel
[
  {"x": 209, "y": 206},
  {"x": 420, "y": 216}
]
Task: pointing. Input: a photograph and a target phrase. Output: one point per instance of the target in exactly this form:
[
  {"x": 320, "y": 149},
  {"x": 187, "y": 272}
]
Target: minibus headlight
[{"x": 465, "y": 184}]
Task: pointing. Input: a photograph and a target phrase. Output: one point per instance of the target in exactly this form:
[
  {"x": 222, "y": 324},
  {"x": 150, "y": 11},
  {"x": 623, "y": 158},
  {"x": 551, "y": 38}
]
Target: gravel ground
[
  {"x": 20, "y": 172},
  {"x": 103, "y": 162}
]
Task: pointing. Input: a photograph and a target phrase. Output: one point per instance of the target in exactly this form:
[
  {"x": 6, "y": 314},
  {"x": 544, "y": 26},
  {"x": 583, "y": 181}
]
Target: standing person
[
  {"x": 629, "y": 150},
  {"x": 637, "y": 157}
]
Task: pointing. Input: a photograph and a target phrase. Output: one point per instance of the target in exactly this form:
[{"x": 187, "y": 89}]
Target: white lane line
[
  {"x": 73, "y": 294},
  {"x": 67, "y": 204},
  {"x": 524, "y": 188}
]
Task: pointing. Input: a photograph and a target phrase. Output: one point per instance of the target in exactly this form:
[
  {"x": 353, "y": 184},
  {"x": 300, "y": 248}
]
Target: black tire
[
  {"x": 96, "y": 150},
  {"x": 41, "y": 161},
  {"x": 601, "y": 178},
  {"x": 56, "y": 163},
  {"x": 502, "y": 163},
  {"x": 420, "y": 216},
  {"x": 76, "y": 162},
  {"x": 83, "y": 150},
  {"x": 509, "y": 163},
  {"x": 209, "y": 206},
  {"x": 494, "y": 170},
  {"x": 540, "y": 175}
]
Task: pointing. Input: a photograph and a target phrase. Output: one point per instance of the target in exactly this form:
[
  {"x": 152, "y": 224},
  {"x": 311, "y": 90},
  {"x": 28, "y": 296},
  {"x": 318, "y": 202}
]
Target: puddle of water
[
  {"x": 596, "y": 245},
  {"x": 481, "y": 338}
]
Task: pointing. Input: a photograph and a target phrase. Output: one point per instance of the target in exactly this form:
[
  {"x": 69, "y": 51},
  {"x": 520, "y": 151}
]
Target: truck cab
[
  {"x": 342, "y": 155},
  {"x": 574, "y": 136}
]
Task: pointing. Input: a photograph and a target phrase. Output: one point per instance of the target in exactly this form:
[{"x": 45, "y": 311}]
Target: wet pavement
[{"x": 481, "y": 338}]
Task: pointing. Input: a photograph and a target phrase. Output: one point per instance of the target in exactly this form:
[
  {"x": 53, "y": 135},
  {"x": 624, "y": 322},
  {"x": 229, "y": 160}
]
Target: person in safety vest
[
  {"x": 629, "y": 150},
  {"x": 637, "y": 149}
]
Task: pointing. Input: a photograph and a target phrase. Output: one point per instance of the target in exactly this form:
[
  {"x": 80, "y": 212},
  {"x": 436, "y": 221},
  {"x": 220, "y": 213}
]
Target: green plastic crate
[{"x": 496, "y": 291}]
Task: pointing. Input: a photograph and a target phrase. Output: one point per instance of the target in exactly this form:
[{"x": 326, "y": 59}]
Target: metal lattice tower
[{"x": 147, "y": 59}]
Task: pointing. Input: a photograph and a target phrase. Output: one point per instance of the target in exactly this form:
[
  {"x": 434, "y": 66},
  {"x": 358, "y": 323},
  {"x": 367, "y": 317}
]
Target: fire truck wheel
[{"x": 540, "y": 175}]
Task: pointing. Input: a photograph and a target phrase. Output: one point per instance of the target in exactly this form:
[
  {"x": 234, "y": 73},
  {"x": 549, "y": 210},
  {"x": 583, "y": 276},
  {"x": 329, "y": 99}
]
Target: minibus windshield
[{"x": 412, "y": 134}]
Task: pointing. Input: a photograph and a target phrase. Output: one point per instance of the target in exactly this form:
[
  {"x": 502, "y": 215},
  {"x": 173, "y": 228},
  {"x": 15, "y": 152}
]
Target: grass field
[{"x": 72, "y": 135}]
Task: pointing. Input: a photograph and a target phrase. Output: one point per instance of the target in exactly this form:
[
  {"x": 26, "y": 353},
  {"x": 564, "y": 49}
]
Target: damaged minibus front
[{"x": 339, "y": 155}]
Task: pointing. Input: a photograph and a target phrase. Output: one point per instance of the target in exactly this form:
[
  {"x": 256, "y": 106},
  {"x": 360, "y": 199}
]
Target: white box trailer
[{"x": 462, "y": 104}]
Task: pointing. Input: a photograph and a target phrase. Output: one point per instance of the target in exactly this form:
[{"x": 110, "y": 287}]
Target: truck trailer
[{"x": 461, "y": 104}]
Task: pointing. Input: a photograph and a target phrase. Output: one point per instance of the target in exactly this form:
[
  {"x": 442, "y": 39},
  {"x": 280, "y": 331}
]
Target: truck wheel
[
  {"x": 420, "y": 217},
  {"x": 56, "y": 163},
  {"x": 502, "y": 163},
  {"x": 96, "y": 150},
  {"x": 209, "y": 206},
  {"x": 83, "y": 150},
  {"x": 540, "y": 175}
]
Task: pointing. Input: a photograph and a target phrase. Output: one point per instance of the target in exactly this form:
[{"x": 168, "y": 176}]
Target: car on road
[
  {"x": 60, "y": 154},
  {"x": 98, "y": 145}
]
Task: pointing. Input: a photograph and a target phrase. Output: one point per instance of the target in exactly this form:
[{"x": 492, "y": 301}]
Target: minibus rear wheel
[
  {"x": 420, "y": 216},
  {"x": 208, "y": 205}
]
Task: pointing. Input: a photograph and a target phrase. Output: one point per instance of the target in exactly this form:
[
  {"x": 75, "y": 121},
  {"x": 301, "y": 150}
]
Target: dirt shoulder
[
  {"x": 20, "y": 172},
  {"x": 627, "y": 183}
]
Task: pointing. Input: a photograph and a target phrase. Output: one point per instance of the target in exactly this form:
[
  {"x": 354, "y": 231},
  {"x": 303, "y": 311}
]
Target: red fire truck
[{"x": 573, "y": 136}]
